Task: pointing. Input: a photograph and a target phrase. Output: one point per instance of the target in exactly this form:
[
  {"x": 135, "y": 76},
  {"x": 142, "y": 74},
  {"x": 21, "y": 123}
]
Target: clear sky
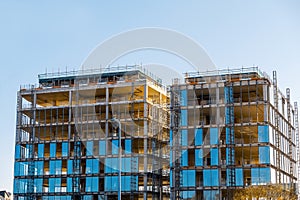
[{"x": 54, "y": 34}]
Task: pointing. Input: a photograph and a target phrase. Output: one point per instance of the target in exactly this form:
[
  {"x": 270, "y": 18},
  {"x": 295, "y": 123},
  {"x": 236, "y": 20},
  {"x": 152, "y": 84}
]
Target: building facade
[
  {"x": 106, "y": 133},
  {"x": 75, "y": 130},
  {"x": 231, "y": 129}
]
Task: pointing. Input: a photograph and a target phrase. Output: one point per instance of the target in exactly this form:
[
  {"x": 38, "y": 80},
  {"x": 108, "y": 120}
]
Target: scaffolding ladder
[
  {"x": 229, "y": 121},
  {"x": 133, "y": 178},
  {"x": 30, "y": 146},
  {"x": 277, "y": 135},
  {"x": 156, "y": 152},
  {"x": 288, "y": 98},
  {"x": 77, "y": 153},
  {"x": 176, "y": 146}
]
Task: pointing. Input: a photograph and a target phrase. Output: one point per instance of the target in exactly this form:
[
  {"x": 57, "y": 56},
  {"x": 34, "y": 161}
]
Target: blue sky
[{"x": 36, "y": 35}]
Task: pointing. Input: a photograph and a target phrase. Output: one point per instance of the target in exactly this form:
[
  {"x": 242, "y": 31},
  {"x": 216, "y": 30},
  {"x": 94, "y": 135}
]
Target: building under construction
[
  {"x": 92, "y": 134},
  {"x": 231, "y": 129},
  {"x": 96, "y": 134}
]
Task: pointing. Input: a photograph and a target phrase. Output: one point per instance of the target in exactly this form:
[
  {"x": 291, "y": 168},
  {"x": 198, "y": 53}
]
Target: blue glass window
[
  {"x": 111, "y": 165},
  {"x": 69, "y": 184},
  {"x": 199, "y": 157},
  {"x": 211, "y": 194},
  {"x": 92, "y": 166},
  {"x": 188, "y": 194},
  {"x": 29, "y": 148},
  {"x": 18, "y": 151},
  {"x": 260, "y": 176},
  {"x": 183, "y": 97},
  {"x": 91, "y": 184},
  {"x": 198, "y": 136},
  {"x": 111, "y": 183},
  {"x": 127, "y": 146},
  {"x": 229, "y": 133},
  {"x": 41, "y": 148},
  {"x": 53, "y": 150},
  {"x": 171, "y": 138},
  {"x": 70, "y": 167},
  {"x": 126, "y": 164},
  {"x": 171, "y": 178},
  {"x": 184, "y": 138},
  {"x": 126, "y": 183},
  {"x": 188, "y": 178},
  {"x": 214, "y": 156},
  {"x": 214, "y": 136},
  {"x": 54, "y": 184},
  {"x": 21, "y": 168},
  {"x": 20, "y": 186},
  {"x": 65, "y": 149},
  {"x": 263, "y": 133},
  {"x": 239, "y": 177},
  {"x": 89, "y": 148},
  {"x": 38, "y": 185},
  {"x": 55, "y": 167},
  {"x": 210, "y": 177},
  {"x": 230, "y": 157},
  {"x": 102, "y": 148},
  {"x": 183, "y": 118},
  {"x": 264, "y": 155},
  {"x": 184, "y": 158},
  {"x": 114, "y": 147},
  {"x": 39, "y": 167}
]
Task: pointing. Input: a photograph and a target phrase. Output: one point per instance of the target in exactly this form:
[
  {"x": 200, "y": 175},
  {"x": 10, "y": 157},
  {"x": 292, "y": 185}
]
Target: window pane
[
  {"x": 214, "y": 156},
  {"x": 65, "y": 149},
  {"x": 54, "y": 184},
  {"x": 210, "y": 177},
  {"x": 17, "y": 151},
  {"x": 127, "y": 146},
  {"x": 183, "y": 97},
  {"x": 188, "y": 178},
  {"x": 264, "y": 155},
  {"x": 41, "y": 150},
  {"x": 188, "y": 194},
  {"x": 199, "y": 157},
  {"x": 89, "y": 148},
  {"x": 102, "y": 148},
  {"x": 111, "y": 165},
  {"x": 126, "y": 164},
  {"x": 184, "y": 158},
  {"x": 214, "y": 136},
  {"x": 70, "y": 166},
  {"x": 114, "y": 147},
  {"x": 39, "y": 167},
  {"x": 183, "y": 118},
  {"x": 184, "y": 138},
  {"x": 239, "y": 178},
  {"x": 211, "y": 194},
  {"x": 52, "y": 149},
  {"x": 38, "y": 185},
  {"x": 198, "y": 136},
  {"x": 260, "y": 176},
  {"x": 91, "y": 184},
  {"x": 92, "y": 166},
  {"x": 55, "y": 167},
  {"x": 263, "y": 133},
  {"x": 111, "y": 183},
  {"x": 69, "y": 185}
]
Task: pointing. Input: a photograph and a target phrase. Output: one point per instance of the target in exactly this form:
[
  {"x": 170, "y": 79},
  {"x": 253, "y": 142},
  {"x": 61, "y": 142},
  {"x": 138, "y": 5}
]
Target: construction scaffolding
[
  {"x": 68, "y": 148},
  {"x": 93, "y": 134},
  {"x": 236, "y": 130}
]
